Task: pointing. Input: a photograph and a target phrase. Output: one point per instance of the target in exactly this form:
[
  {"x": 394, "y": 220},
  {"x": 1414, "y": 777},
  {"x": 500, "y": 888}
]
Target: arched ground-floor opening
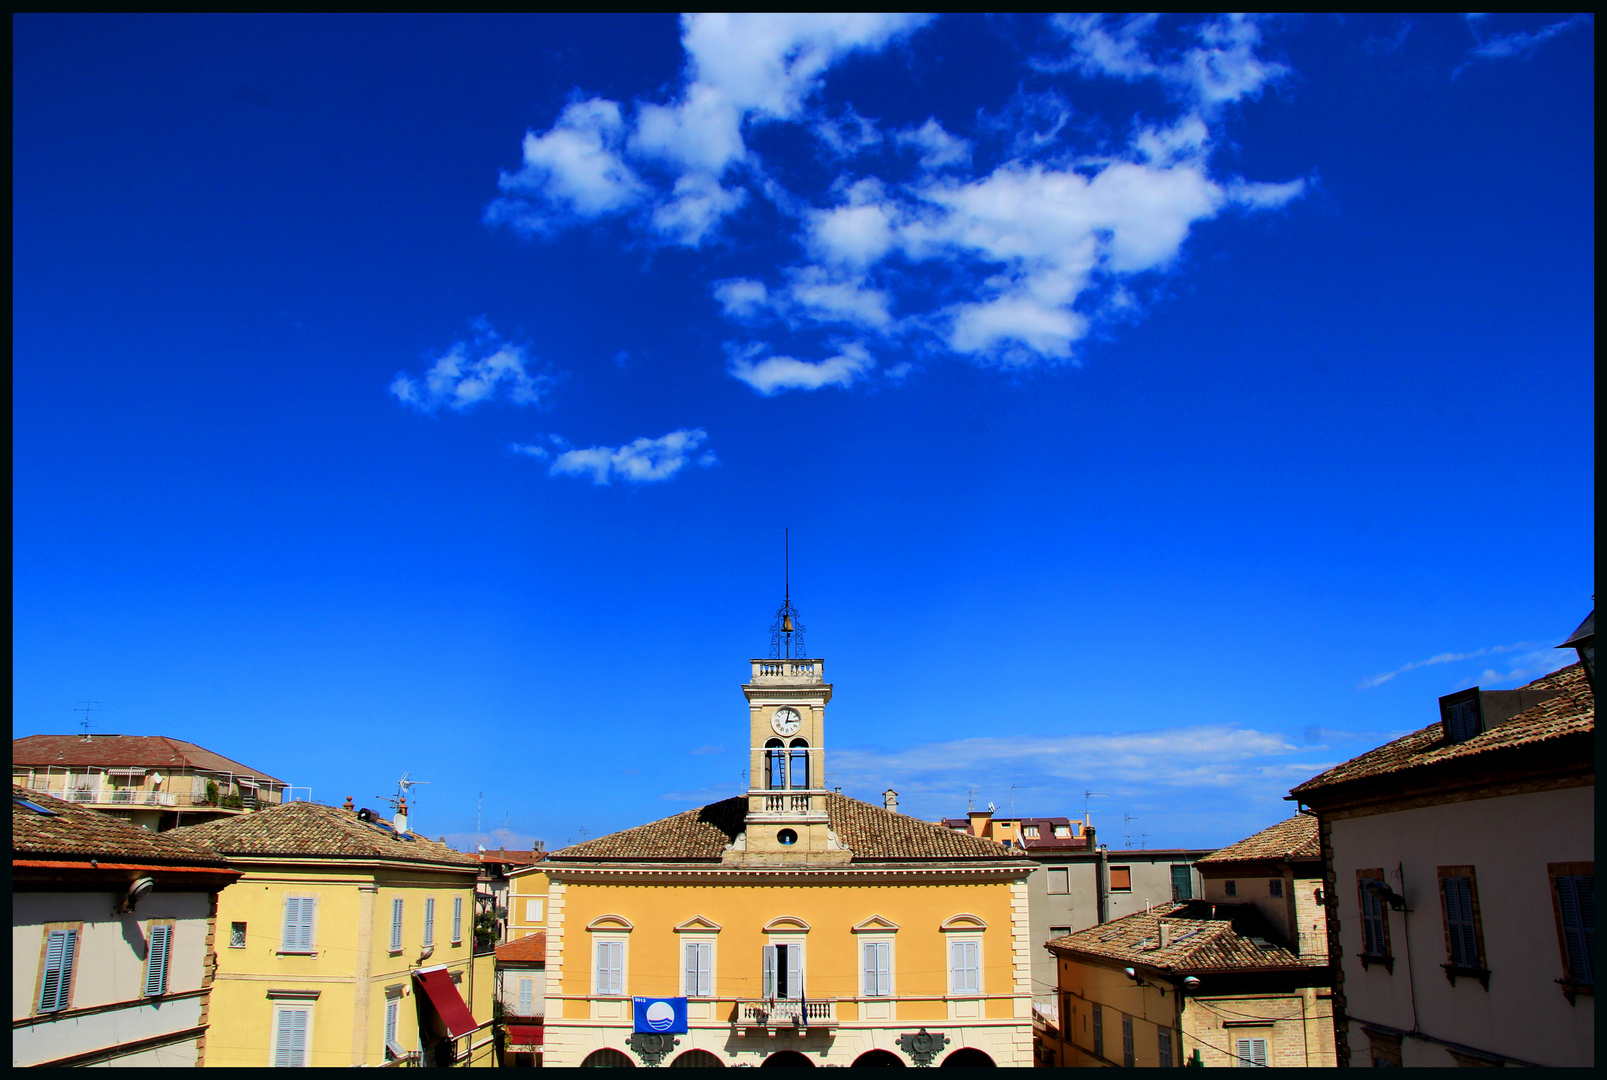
[
  {"x": 697, "y": 1059},
  {"x": 608, "y": 1058},
  {"x": 787, "y": 1059},
  {"x": 968, "y": 1057},
  {"x": 879, "y": 1058}
]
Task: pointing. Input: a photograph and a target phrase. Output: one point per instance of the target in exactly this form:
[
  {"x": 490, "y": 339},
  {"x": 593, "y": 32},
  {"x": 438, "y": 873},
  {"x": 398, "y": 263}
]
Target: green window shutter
[
  {"x": 1459, "y": 922},
  {"x": 156, "y": 961}
]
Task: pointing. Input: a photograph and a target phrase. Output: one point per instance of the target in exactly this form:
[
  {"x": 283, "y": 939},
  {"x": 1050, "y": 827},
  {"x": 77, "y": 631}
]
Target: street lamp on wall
[{"x": 1583, "y": 641}]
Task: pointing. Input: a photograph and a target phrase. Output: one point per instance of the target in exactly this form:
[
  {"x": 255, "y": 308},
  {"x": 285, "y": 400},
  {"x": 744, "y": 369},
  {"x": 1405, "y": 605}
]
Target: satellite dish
[{"x": 138, "y": 890}]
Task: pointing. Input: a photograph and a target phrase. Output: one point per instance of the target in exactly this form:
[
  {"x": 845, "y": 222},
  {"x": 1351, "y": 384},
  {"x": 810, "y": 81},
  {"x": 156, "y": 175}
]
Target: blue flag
[{"x": 660, "y": 1016}]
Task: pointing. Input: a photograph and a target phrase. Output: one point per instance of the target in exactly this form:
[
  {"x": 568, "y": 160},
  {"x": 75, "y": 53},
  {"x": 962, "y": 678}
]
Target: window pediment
[
  {"x": 698, "y": 923},
  {"x": 875, "y": 924},
  {"x": 611, "y": 922},
  {"x": 963, "y": 921}
]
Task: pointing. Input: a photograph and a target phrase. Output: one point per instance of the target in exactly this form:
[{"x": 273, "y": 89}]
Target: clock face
[{"x": 786, "y": 721}]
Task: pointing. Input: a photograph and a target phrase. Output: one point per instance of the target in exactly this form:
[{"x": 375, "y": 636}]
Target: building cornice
[{"x": 637, "y": 871}]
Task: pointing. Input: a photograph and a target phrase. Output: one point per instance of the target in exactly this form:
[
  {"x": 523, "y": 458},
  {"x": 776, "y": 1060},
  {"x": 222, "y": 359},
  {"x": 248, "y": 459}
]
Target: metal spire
[{"x": 787, "y": 632}]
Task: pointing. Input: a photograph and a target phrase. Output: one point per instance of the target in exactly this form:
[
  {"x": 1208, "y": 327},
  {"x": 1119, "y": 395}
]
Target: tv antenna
[
  {"x": 1143, "y": 840},
  {"x": 400, "y": 797},
  {"x": 86, "y": 707},
  {"x": 787, "y": 632},
  {"x": 1085, "y": 797},
  {"x": 1127, "y": 832},
  {"x": 1012, "y": 802},
  {"x": 970, "y": 800}
]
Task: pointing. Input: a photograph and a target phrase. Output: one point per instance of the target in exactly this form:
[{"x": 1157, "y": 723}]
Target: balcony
[
  {"x": 783, "y": 804},
  {"x": 786, "y": 1013},
  {"x": 132, "y": 797},
  {"x": 789, "y": 672}
]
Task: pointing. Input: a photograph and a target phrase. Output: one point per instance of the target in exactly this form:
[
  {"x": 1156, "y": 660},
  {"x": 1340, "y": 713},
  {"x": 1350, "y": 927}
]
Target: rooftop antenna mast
[
  {"x": 400, "y": 797},
  {"x": 1085, "y": 797},
  {"x": 1127, "y": 830},
  {"x": 787, "y": 632},
  {"x": 86, "y": 708}
]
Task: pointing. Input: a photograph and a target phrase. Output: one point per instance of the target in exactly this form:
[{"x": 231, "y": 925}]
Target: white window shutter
[
  {"x": 795, "y": 971},
  {"x": 396, "y": 924},
  {"x": 429, "y": 920},
  {"x": 769, "y": 971},
  {"x": 527, "y": 993},
  {"x": 872, "y": 988},
  {"x": 287, "y": 939},
  {"x": 281, "y": 1042},
  {"x": 156, "y": 961},
  {"x": 457, "y": 918},
  {"x": 298, "y": 1036},
  {"x": 705, "y": 970}
]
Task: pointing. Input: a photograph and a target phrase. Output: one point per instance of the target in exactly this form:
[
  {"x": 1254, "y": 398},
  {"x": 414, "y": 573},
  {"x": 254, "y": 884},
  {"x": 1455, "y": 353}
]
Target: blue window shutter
[
  {"x": 309, "y": 908},
  {"x": 57, "y": 983},
  {"x": 457, "y": 918},
  {"x": 298, "y": 1036},
  {"x": 1576, "y": 895},
  {"x": 396, "y": 924},
  {"x": 527, "y": 996},
  {"x": 429, "y": 920},
  {"x": 156, "y": 961},
  {"x": 281, "y": 1042},
  {"x": 287, "y": 940}
]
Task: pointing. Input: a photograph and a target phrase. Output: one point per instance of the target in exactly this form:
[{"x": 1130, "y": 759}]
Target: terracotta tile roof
[
  {"x": 76, "y": 832},
  {"x": 125, "y": 751},
  {"x": 512, "y": 858},
  {"x": 872, "y": 833},
  {"x": 527, "y": 950},
  {"x": 303, "y": 828},
  {"x": 1285, "y": 841},
  {"x": 1238, "y": 939},
  {"x": 1571, "y": 712}
]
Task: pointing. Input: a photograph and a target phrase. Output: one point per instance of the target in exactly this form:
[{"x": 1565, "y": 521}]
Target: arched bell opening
[
  {"x": 775, "y": 765},
  {"x": 798, "y": 767}
]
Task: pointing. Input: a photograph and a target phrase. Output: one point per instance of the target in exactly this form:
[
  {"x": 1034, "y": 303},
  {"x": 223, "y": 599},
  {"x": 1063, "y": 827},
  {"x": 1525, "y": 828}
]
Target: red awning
[
  {"x": 448, "y": 1003},
  {"x": 524, "y": 1034}
]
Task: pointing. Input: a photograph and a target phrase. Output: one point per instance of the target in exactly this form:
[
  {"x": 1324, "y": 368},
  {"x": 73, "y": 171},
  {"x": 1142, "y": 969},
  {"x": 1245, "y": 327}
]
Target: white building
[
  {"x": 111, "y": 939},
  {"x": 1460, "y": 881}
]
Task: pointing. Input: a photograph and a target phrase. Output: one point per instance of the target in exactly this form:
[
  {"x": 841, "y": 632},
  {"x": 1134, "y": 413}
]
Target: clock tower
[{"x": 787, "y": 697}]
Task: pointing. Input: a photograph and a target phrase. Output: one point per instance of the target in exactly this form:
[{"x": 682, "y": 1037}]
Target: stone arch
[
  {"x": 787, "y": 1059},
  {"x": 698, "y": 1059},
  {"x": 608, "y": 1058},
  {"x": 969, "y": 1057},
  {"x": 878, "y": 1058}
]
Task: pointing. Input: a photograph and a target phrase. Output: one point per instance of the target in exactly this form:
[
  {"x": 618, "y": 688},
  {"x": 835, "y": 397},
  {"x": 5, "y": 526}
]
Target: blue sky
[{"x": 1164, "y": 408}]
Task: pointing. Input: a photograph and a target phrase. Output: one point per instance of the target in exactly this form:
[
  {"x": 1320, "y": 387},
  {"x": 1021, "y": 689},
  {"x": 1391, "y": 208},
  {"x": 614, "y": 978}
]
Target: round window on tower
[{"x": 787, "y": 837}]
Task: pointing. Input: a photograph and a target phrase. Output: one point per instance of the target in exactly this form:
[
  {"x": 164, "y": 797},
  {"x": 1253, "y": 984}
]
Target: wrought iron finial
[{"x": 787, "y": 632}]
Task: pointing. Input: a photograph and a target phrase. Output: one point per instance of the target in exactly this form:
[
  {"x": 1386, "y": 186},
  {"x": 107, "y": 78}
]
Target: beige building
[
  {"x": 522, "y": 990},
  {"x": 1459, "y": 881},
  {"x": 348, "y": 940},
  {"x": 802, "y": 926},
  {"x": 112, "y": 939},
  {"x": 1232, "y": 979},
  {"x": 151, "y": 781}
]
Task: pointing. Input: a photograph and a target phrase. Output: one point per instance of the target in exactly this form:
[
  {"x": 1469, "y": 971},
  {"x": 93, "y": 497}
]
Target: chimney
[
  {"x": 890, "y": 800},
  {"x": 980, "y": 821},
  {"x": 1088, "y": 838},
  {"x": 401, "y": 816},
  {"x": 1165, "y": 931},
  {"x": 349, "y": 806}
]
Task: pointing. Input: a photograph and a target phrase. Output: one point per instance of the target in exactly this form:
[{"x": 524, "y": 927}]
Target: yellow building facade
[
  {"x": 343, "y": 943},
  {"x": 802, "y": 926}
]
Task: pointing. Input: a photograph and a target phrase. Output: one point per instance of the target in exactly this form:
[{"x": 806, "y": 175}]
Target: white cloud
[
  {"x": 640, "y": 461},
  {"x": 1501, "y": 46},
  {"x": 849, "y": 134},
  {"x": 471, "y": 372},
  {"x": 829, "y": 299},
  {"x": 575, "y": 167},
  {"x": 1221, "y": 69},
  {"x": 742, "y": 298},
  {"x": 857, "y": 233},
  {"x": 696, "y": 205},
  {"x": 1441, "y": 658},
  {"x": 773, "y": 374},
  {"x": 938, "y": 148}
]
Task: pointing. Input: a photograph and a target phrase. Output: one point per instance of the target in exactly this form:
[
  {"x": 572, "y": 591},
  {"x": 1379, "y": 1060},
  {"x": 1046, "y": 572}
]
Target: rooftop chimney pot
[{"x": 890, "y": 800}]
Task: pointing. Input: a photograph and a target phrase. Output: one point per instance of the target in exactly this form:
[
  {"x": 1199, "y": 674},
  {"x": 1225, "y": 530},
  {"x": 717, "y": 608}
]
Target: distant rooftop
[
  {"x": 1288, "y": 840},
  {"x": 68, "y": 831},
  {"x": 1200, "y": 937},
  {"x": 125, "y": 752},
  {"x": 308, "y": 829}
]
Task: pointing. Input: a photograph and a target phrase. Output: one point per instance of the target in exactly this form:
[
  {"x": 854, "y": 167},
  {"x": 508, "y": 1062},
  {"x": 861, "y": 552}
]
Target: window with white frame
[
  {"x": 237, "y": 935},
  {"x": 457, "y": 919},
  {"x": 56, "y": 983},
  {"x": 1252, "y": 1053},
  {"x": 300, "y": 914},
  {"x": 292, "y": 1024},
  {"x": 429, "y": 921},
  {"x": 393, "y": 1014},
  {"x": 159, "y": 945},
  {"x": 533, "y": 910},
  {"x": 965, "y": 966},
  {"x": 608, "y": 975},
  {"x": 527, "y": 997},
  {"x": 396, "y": 925},
  {"x": 784, "y": 969},
  {"x": 697, "y": 967},
  {"x": 876, "y": 955}
]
